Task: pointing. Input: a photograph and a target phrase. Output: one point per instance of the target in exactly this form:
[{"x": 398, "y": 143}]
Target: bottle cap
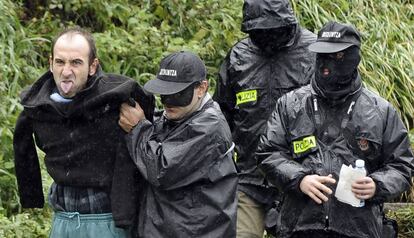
[{"x": 360, "y": 163}]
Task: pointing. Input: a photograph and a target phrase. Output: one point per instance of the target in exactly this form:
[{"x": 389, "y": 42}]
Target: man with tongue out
[
  {"x": 72, "y": 111},
  {"x": 333, "y": 122}
]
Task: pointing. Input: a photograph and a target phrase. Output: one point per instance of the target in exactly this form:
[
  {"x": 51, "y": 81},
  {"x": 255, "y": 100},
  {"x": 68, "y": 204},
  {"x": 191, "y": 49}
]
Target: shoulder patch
[
  {"x": 304, "y": 144},
  {"x": 246, "y": 96}
]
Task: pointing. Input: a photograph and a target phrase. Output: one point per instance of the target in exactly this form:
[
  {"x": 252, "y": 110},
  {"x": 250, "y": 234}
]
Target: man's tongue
[{"x": 66, "y": 86}]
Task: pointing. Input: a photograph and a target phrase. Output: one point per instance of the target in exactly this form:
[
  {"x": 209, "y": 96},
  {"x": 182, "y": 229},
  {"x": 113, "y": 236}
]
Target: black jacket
[
  {"x": 372, "y": 131},
  {"x": 82, "y": 142},
  {"x": 250, "y": 82},
  {"x": 192, "y": 180}
]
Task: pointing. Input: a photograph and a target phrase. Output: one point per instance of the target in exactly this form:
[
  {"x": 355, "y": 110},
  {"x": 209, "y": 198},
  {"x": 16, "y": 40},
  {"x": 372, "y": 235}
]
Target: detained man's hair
[{"x": 83, "y": 32}]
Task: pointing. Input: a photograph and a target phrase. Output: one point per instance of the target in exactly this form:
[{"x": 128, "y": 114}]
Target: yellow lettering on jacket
[
  {"x": 300, "y": 146},
  {"x": 246, "y": 96}
]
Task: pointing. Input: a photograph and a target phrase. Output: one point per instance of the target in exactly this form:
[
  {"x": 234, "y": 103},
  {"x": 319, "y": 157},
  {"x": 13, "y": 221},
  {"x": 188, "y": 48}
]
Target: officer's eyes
[{"x": 337, "y": 56}]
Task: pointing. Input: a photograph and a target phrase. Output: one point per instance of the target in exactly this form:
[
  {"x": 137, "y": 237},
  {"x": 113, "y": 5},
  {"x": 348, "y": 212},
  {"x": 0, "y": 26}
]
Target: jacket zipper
[
  {"x": 328, "y": 204},
  {"x": 318, "y": 122},
  {"x": 270, "y": 85}
]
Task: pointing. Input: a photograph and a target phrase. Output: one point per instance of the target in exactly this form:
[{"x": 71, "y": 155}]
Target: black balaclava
[
  {"x": 336, "y": 73},
  {"x": 180, "y": 99},
  {"x": 273, "y": 39}
]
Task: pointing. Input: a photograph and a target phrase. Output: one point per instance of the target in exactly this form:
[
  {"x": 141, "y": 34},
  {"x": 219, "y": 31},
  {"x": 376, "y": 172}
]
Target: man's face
[
  {"x": 339, "y": 64},
  {"x": 70, "y": 64},
  {"x": 272, "y": 40},
  {"x": 179, "y": 112}
]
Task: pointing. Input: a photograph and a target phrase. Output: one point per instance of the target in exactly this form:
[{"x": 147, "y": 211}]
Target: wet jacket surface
[
  {"x": 250, "y": 82},
  {"x": 372, "y": 131},
  {"x": 82, "y": 142},
  {"x": 192, "y": 179}
]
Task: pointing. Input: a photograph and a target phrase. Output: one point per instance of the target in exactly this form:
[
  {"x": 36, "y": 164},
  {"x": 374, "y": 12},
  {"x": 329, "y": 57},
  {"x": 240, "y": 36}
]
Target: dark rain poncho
[
  {"x": 192, "y": 181},
  {"x": 250, "y": 82},
  {"x": 372, "y": 132}
]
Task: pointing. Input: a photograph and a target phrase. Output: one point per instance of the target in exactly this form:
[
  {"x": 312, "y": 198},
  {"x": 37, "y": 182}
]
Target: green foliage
[
  {"x": 32, "y": 224},
  {"x": 132, "y": 38},
  {"x": 405, "y": 219}
]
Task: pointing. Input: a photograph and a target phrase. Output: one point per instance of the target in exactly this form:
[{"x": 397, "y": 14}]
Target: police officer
[
  {"x": 273, "y": 60},
  {"x": 185, "y": 156},
  {"x": 320, "y": 127}
]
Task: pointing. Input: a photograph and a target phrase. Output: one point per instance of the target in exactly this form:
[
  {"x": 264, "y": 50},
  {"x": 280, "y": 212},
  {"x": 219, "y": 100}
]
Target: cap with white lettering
[
  {"x": 177, "y": 71},
  {"x": 335, "y": 37}
]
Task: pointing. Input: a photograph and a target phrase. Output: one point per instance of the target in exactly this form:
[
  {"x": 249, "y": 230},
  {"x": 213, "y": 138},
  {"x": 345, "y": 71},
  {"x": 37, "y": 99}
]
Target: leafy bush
[
  {"x": 405, "y": 219},
  {"x": 31, "y": 224}
]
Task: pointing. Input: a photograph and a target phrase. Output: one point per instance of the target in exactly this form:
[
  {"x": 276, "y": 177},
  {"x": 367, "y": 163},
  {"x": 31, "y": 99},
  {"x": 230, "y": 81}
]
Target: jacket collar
[
  {"x": 318, "y": 92},
  {"x": 39, "y": 93}
]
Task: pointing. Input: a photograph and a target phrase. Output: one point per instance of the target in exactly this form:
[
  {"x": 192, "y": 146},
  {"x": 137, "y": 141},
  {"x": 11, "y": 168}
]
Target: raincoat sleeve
[
  {"x": 188, "y": 155},
  {"x": 394, "y": 177},
  {"x": 223, "y": 94},
  {"x": 273, "y": 153},
  {"x": 146, "y": 101},
  {"x": 26, "y": 164},
  {"x": 125, "y": 186}
]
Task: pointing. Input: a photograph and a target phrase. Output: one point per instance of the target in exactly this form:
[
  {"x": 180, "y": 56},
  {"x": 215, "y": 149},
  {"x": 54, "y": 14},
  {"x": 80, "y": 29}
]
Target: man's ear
[
  {"x": 50, "y": 64},
  {"x": 93, "y": 67},
  {"x": 204, "y": 87}
]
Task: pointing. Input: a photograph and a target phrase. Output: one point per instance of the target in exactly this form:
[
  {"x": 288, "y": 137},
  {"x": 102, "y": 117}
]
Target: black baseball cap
[
  {"x": 177, "y": 71},
  {"x": 335, "y": 37}
]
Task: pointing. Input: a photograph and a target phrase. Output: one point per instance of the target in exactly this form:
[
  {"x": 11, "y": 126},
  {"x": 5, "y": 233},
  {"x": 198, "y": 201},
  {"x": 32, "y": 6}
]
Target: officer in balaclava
[
  {"x": 273, "y": 60},
  {"x": 336, "y": 74},
  {"x": 319, "y": 128}
]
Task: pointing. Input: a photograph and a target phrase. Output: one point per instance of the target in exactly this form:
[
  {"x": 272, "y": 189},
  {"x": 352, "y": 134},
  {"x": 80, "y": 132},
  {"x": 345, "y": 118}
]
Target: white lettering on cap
[
  {"x": 168, "y": 72},
  {"x": 331, "y": 34}
]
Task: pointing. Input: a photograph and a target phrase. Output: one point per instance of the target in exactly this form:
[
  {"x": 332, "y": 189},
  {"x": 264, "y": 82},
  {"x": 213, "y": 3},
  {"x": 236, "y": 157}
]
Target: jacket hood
[{"x": 265, "y": 14}]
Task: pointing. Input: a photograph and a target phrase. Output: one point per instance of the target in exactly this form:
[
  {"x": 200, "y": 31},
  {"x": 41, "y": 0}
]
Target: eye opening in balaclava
[
  {"x": 336, "y": 72},
  {"x": 180, "y": 99},
  {"x": 273, "y": 39}
]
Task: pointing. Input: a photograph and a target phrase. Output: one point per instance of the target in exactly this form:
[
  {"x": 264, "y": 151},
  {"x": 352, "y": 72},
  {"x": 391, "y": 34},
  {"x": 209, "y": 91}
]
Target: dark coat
[
  {"x": 372, "y": 131},
  {"x": 192, "y": 180},
  {"x": 82, "y": 142},
  {"x": 250, "y": 82}
]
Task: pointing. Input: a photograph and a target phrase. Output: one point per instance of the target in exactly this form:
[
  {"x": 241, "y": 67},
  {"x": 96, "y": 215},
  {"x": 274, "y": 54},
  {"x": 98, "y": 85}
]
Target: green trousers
[{"x": 75, "y": 225}]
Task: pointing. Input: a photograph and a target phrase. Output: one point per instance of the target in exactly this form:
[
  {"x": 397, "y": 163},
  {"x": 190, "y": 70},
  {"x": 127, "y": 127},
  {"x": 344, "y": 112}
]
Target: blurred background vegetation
[{"x": 133, "y": 35}]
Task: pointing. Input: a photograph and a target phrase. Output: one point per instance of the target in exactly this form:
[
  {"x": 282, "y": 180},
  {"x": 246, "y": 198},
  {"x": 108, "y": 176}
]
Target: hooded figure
[
  {"x": 185, "y": 156},
  {"x": 317, "y": 129},
  {"x": 273, "y": 60}
]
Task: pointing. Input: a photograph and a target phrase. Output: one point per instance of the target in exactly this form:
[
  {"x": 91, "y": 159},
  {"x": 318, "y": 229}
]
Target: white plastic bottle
[{"x": 360, "y": 168}]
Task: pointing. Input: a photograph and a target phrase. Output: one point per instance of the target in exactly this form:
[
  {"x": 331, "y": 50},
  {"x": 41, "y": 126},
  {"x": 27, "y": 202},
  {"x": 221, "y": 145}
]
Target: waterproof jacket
[
  {"x": 307, "y": 134},
  {"x": 250, "y": 82},
  {"x": 82, "y": 141},
  {"x": 192, "y": 179}
]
